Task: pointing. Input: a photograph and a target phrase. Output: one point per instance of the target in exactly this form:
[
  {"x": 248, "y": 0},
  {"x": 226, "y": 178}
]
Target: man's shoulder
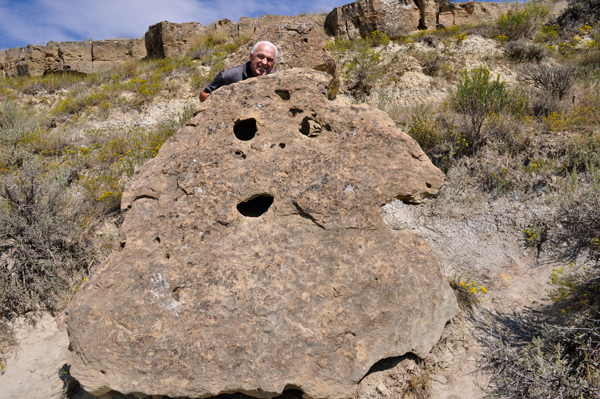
[{"x": 234, "y": 74}]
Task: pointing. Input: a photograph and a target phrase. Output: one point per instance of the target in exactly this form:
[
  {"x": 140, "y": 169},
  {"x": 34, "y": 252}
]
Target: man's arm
[{"x": 212, "y": 86}]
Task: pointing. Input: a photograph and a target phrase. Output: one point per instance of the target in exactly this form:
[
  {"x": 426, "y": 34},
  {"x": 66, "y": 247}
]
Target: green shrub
[
  {"x": 363, "y": 72},
  {"x": 15, "y": 126},
  {"x": 544, "y": 105},
  {"x": 583, "y": 152},
  {"x": 426, "y": 130},
  {"x": 555, "y": 79},
  {"x": 518, "y": 50},
  {"x": 522, "y": 24},
  {"x": 468, "y": 293},
  {"x": 476, "y": 98},
  {"x": 578, "y": 13},
  {"x": 41, "y": 243},
  {"x": 538, "y": 370}
]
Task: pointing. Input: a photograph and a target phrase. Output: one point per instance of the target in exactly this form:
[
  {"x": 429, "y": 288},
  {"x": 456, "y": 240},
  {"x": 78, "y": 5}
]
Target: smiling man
[{"x": 262, "y": 58}]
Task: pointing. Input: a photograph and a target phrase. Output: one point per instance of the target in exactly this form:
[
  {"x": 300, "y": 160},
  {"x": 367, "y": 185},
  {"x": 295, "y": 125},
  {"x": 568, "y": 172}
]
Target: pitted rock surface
[{"x": 255, "y": 257}]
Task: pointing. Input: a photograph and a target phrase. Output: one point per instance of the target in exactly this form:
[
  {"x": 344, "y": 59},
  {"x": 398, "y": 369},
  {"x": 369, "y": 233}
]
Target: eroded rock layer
[{"x": 255, "y": 258}]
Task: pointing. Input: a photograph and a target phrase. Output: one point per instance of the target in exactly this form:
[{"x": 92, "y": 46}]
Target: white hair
[{"x": 265, "y": 42}]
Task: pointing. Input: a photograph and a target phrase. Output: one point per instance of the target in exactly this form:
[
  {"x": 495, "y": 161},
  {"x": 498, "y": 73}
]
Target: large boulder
[
  {"x": 255, "y": 259},
  {"x": 392, "y": 17},
  {"x": 167, "y": 39},
  {"x": 300, "y": 45}
]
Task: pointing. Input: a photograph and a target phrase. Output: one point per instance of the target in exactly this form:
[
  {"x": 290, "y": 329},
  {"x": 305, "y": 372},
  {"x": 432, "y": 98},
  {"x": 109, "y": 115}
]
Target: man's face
[{"x": 261, "y": 62}]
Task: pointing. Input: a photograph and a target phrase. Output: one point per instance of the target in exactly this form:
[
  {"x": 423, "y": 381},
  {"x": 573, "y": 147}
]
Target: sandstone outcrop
[
  {"x": 255, "y": 258},
  {"x": 404, "y": 17},
  {"x": 392, "y": 17},
  {"x": 106, "y": 52},
  {"x": 300, "y": 45},
  {"x": 166, "y": 39},
  {"x": 80, "y": 57},
  {"x": 470, "y": 12}
]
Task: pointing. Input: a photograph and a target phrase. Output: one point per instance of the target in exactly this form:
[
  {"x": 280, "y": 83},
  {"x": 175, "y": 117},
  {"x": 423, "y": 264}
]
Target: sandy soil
[{"x": 32, "y": 370}]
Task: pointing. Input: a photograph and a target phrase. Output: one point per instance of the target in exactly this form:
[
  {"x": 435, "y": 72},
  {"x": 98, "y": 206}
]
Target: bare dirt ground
[{"x": 32, "y": 370}]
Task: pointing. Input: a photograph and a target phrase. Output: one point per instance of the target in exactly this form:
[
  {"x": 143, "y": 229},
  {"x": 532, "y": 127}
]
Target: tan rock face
[
  {"x": 392, "y": 17},
  {"x": 76, "y": 56},
  {"x": 469, "y": 13},
  {"x": 299, "y": 43},
  {"x": 404, "y": 17},
  {"x": 166, "y": 39},
  {"x": 79, "y": 57},
  {"x": 106, "y": 52},
  {"x": 255, "y": 257}
]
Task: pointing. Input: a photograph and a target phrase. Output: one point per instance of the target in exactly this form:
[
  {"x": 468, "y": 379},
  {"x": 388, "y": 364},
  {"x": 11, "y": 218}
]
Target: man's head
[{"x": 262, "y": 58}]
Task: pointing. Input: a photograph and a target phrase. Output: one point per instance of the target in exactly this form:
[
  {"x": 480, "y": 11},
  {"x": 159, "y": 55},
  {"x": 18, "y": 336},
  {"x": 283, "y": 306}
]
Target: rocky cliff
[
  {"x": 404, "y": 17},
  {"x": 167, "y": 39}
]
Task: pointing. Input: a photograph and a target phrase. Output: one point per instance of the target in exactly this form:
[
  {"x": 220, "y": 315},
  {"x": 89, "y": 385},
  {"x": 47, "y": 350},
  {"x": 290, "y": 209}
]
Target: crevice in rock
[
  {"x": 256, "y": 205},
  {"x": 245, "y": 130},
  {"x": 306, "y": 215},
  {"x": 145, "y": 196},
  {"x": 421, "y": 6},
  {"x": 407, "y": 200},
  {"x": 390, "y": 363}
]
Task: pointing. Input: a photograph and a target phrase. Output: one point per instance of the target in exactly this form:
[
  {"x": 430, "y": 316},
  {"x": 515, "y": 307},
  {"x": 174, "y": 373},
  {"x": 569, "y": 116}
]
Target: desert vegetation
[
  {"x": 489, "y": 131},
  {"x": 61, "y": 178},
  {"x": 521, "y": 122}
]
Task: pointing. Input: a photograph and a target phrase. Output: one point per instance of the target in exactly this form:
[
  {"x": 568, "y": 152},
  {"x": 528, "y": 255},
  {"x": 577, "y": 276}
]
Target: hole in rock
[
  {"x": 282, "y": 145},
  {"x": 428, "y": 185},
  {"x": 255, "y": 206},
  {"x": 305, "y": 40},
  {"x": 157, "y": 239},
  {"x": 240, "y": 154},
  {"x": 310, "y": 127},
  {"x": 167, "y": 256},
  {"x": 245, "y": 130},
  {"x": 295, "y": 111},
  {"x": 283, "y": 94},
  {"x": 123, "y": 244}
]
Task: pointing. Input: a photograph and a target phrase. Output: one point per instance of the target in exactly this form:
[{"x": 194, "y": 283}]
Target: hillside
[{"x": 509, "y": 110}]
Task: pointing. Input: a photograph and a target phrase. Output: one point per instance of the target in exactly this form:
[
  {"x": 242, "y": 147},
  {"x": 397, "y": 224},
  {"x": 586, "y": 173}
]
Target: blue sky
[{"x": 24, "y": 22}]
